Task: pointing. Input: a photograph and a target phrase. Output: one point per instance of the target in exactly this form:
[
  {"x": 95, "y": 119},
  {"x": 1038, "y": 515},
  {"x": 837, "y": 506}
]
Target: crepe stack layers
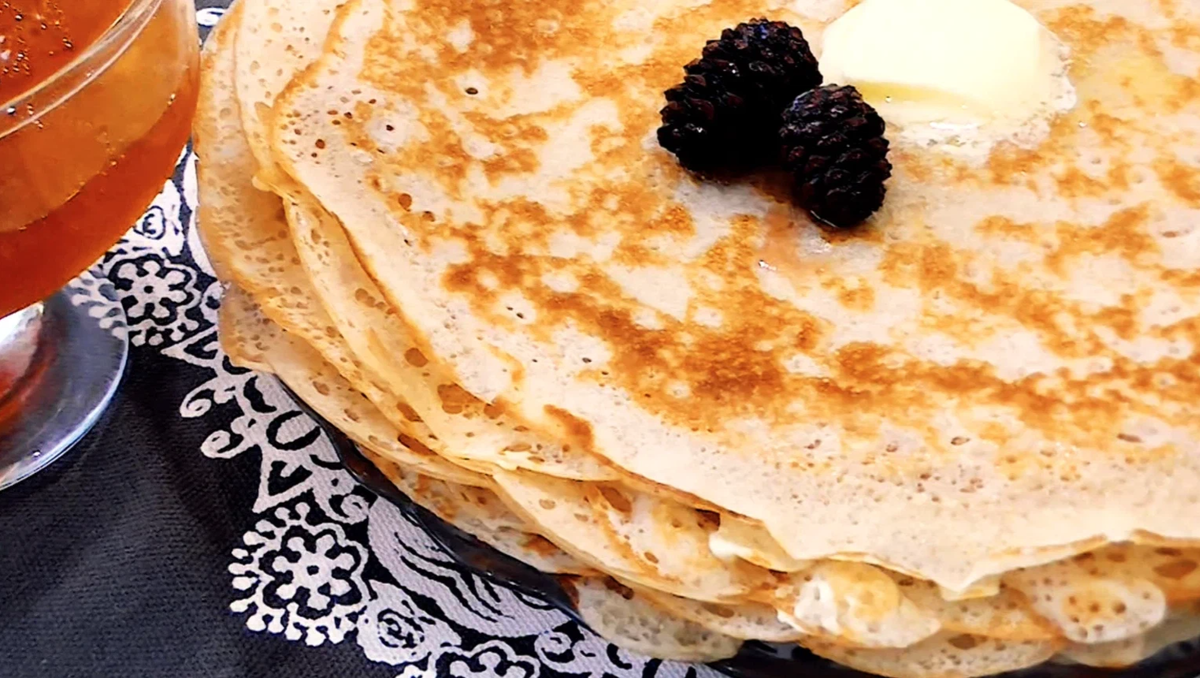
[{"x": 957, "y": 440}]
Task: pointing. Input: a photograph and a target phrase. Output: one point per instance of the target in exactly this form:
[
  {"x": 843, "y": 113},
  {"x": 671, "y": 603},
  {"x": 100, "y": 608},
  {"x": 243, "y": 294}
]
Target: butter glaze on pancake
[{"x": 1004, "y": 360}]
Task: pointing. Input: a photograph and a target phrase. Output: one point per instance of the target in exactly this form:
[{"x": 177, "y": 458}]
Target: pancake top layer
[{"x": 1003, "y": 360}]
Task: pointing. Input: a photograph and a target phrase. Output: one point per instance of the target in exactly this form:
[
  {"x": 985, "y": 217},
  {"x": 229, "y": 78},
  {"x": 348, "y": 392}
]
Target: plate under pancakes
[
  {"x": 334, "y": 316},
  {"x": 1000, "y": 362}
]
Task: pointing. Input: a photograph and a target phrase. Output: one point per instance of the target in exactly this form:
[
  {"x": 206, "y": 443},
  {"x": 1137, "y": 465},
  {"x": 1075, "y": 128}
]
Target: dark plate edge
[{"x": 755, "y": 660}]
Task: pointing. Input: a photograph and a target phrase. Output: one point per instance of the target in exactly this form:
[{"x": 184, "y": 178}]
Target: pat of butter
[
  {"x": 817, "y": 607},
  {"x": 955, "y": 59},
  {"x": 737, "y": 539},
  {"x": 726, "y": 550},
  {"x": 984, "y": 588}
]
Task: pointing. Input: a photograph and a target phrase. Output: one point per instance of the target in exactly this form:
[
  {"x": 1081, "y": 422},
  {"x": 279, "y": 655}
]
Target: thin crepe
[{"x": 905, "y": 393}]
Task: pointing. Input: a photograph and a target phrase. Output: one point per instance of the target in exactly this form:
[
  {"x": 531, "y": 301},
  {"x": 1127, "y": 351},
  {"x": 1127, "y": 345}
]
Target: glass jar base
[{"x": 59, "y": 369}]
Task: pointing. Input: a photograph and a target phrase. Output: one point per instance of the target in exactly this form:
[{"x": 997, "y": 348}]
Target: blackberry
[
  {"x": 832, "y": 141},
  {"x": 708, "y": 124},
  {"x": 725, "y": 113}
]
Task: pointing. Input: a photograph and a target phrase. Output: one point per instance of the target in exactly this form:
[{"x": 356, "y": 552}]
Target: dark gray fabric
[{"x": 113, "y": 561}]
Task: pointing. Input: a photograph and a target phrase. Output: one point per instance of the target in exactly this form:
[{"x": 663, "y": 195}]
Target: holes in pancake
[
  {"x": 472, "y": 91},
  {"x": 718, "y": 610},
  {"x": 613, "y": 585},
  {"x": 413, "y": 444},
  {"x": 616, "y": 499},
  {"x": 454, "y": 399},
  {"x": 547, "y": 504},
  {"x": 1176, "y": 569},
  {"x": 708, "y": 520},
  {"x": 407, "y": 412}
]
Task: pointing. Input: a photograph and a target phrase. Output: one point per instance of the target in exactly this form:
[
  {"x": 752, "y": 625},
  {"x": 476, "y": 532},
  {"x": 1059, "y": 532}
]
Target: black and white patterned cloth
[{"x": 205, "y": 527}]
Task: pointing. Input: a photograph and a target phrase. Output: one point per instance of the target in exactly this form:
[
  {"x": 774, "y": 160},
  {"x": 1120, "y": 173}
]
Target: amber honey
[{"x": 83, "y": 157}]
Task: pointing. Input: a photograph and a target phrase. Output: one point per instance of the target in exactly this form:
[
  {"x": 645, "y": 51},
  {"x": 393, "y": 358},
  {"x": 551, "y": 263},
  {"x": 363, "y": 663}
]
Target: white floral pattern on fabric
[
  {"x": 393, "y": 629},
  {"x": 94, "y": 292},
  {"x": 325, "y": 560},
  {"x": 303, "y": 580},
  {"x": 493, "y": 658}
]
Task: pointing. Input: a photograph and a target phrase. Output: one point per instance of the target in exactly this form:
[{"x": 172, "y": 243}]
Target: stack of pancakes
[{"x": 955, "y": 441}]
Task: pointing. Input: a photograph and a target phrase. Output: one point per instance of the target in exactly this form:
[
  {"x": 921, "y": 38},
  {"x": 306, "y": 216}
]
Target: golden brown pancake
[
  {"x": 997, "y": 366},
  {"x": 895, "y": 440}
]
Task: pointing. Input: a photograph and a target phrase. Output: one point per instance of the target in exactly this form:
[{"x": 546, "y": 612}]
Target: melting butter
[{"x": 963, "y": 73}]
